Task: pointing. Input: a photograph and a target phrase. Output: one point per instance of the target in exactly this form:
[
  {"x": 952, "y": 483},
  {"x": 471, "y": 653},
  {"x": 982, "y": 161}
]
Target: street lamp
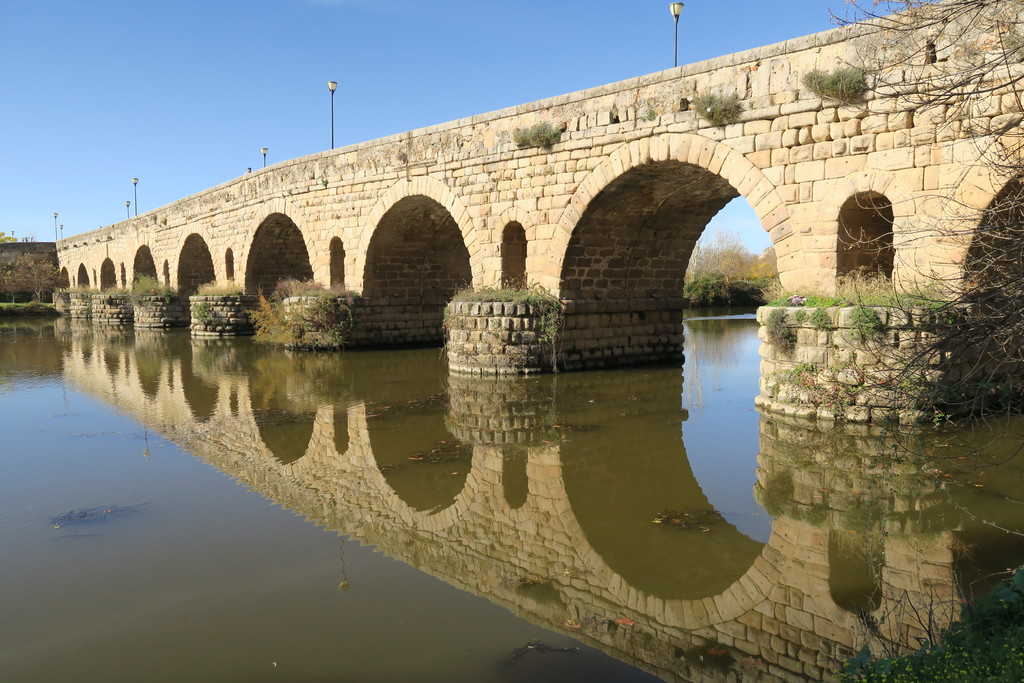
[
  {"x": 62, "y": 231},
  {"x": 135, "y": 186},
  {"x": 676, "y": 8},
  {"x": 332, "y": 86},
  {"x": 55, "y": 225},
  {"x": 128, "y": 207},
  {"x": 264, "y": 150}
]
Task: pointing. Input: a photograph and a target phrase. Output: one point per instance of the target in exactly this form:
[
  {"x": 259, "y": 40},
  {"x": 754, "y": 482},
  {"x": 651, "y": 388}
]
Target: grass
[
  {"x": 221, "y": 288},
  {"x": 846, "y": 84},
  {"x": 33, "y": 308},
  {"x": 146, "y": 286},
  {"x": 292, "y": 287},
  {"x": 857, "y": 289},
  {"x": 718, "y": 110}
]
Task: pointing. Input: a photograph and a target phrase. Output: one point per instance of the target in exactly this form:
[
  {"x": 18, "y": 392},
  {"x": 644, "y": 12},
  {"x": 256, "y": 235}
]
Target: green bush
[
  {"x": 718, "y": 110},
  {"x": 986, "y": 644},
  {"x": 821, "y": 320},
  {"x": 780, "y": 334},
  {"x": 866, "y": 322},
  {"x": 846, "y": 84},
  {"x": 321, "y": 323},
  {"x": 708, "y": 290},
  {"x": 539, "y": 135},
  {"x": 149, "y": 286}
]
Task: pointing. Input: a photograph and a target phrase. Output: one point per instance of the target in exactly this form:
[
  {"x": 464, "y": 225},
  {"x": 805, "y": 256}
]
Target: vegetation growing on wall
[
  {"x": 718, "y": 110},
  {"x": 147, "y": 286},
  {"x": 847, "y": 84},
  {"x": 543, "y": 135}
]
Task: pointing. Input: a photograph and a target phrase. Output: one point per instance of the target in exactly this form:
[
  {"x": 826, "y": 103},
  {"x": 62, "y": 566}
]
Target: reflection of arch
[
  {"x": 144, "y": 265},
  {"x": 513, "y": 255},
  {"x": 416, "y": 252},
  {"x": 229, "y": 264},
  {"x": 278, "y": 252},
  {"x": 108, "y": 275},
  {"x": 855, "y": 570},
  {"x": 200, "y": 395},
  {"x": 341, "y": 438},
  {"x": 660, "y": 171},
  {"x": 865, "y": 237},
  {"x": 83, "y": 276},
  {"x": 64, "y": 280},
  {"x": 515, "y": 480},
  {"x": 195, "y": 265},
  {"x": 337, "y": 262}
]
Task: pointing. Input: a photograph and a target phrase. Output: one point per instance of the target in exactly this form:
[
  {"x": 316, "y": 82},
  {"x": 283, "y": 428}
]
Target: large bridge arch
[
  {"x": 278, "y": 248},
  {"x": 143, "y": 264},
  {"x": 687, "y": 157},
  {"x": 195, "y": 264},
  {"x": 419, "y": 192}
]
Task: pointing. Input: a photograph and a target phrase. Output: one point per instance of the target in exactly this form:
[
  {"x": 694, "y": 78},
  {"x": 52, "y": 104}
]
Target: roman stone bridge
[
  {"x": 606, "y": 217},
  {"x": 526, "y": 515}
]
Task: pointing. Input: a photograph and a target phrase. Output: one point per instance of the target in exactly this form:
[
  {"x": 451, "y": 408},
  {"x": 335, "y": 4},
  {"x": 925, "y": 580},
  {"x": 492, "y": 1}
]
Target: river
[{"x": 176, "y": 509}]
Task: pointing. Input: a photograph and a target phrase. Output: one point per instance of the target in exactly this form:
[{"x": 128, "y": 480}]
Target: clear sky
[{"x": 183, "y": 94}]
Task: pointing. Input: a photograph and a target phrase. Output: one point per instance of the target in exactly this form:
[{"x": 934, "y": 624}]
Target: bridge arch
[
  {"x": 337, "y": 264},
  {"x": 195, "y": 265},
  {"x": 278, "y": 251},
  {"x": 143, "y": 265},
  {"x": 426, "y": 194},
  {"x": 64, "y": 280},
  {"x": 108, "y": 275},
  {"x": 598, "y": 228},
  {"x": 83, "y": 276}
]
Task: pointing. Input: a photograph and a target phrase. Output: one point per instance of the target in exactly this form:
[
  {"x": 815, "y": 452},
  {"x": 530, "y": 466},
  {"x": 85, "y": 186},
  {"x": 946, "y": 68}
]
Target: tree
[
  {"x": 4, "y": 237},
  {"x": 28, "y": 274}
]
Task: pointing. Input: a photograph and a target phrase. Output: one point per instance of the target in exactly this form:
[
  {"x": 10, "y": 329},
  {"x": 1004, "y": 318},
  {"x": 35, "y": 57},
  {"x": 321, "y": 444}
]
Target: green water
[{"x": 175, "y": 509}]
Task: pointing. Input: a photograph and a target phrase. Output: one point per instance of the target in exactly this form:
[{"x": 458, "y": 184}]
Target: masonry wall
[{"x": 794, "y": 156}]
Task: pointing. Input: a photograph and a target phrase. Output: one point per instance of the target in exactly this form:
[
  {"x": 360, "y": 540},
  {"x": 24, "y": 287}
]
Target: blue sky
[{"x": 183, "y": 94}]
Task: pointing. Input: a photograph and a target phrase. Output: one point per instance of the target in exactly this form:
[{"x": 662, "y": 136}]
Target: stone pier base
[
  {"x": 112, "y": 309},
  {"x": 222, "y": 316},
  {"x": 156, "y": 312}
]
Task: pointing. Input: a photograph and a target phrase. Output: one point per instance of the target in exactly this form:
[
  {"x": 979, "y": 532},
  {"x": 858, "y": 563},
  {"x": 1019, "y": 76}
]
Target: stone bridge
[
  {"x": 518, "y": 521},
  {"x": 607, "y": 217}
]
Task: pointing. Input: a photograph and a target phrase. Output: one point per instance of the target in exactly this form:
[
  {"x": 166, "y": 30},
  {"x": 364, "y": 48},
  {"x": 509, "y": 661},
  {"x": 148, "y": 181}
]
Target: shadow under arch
[
  {"x": 63, "y": 279},
  {"x": 108, "y": 275},
  {"x": 195, "y": 265},
  {"x": 417, "y": 257},
  {"x": 278, "y": 252},
  {"x": 143, "y": 265},
  {"x": 83, "y": 276}
]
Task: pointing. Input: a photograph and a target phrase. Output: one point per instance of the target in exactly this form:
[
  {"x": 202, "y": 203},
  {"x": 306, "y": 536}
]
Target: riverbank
[{"x": 34, "y": 309}]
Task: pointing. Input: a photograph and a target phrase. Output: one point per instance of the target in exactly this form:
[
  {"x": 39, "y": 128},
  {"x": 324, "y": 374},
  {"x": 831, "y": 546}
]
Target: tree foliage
[{"x": 29, "y": 274}]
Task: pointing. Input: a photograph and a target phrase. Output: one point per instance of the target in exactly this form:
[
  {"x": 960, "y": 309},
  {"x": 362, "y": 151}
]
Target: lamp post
[
  {"x": 135, "y": 186},
  {"x": 62, "y": 231},
  {"x": 55, "y": 226},
  {"x": 676, "y": 8},
  {"x": 128, "y": 207},
  {"x": 332, "y": 86},
  {"x": 264, "y": 150}
]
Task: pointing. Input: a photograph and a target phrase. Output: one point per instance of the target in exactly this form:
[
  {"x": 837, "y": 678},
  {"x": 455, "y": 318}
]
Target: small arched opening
[
  {"x": 865, "y": 242},
  {"x": 337, "y": 262},
  {"x": 513, "y": 255},
  {"x": 83, "y": 276},
  {"x": 229, "y": 264},
  {"x": 64, "y": 280}
]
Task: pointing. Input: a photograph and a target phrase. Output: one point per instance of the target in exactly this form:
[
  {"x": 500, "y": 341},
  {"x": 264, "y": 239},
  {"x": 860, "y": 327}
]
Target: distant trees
[
  {"x": 4, "y": 237},
  {"x": 29, "y": 274},
  {"x": 725, "y": 271}
]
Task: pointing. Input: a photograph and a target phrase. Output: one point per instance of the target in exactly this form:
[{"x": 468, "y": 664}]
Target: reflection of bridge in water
[{"x": 500, "y": 495}]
